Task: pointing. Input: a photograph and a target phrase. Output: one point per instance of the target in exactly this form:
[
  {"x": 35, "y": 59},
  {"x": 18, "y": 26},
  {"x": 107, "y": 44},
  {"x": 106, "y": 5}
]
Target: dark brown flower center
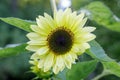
[{"x": 60, "y": 41}]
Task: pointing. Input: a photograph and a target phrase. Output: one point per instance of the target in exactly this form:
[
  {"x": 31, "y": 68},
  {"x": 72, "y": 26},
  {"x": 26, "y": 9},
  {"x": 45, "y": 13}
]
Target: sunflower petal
[
  {"x": 38, "y": 30},
  {"x": 82, "y": 23},
  {"x": 41, "y": 63},
  {"x": 59, "y": 18},
  {"x": 55, "y": 69},
  {"x": 80, "y": 17},
  {"x": 37, "y": 42},
  {"x": 88, "y": 29},
  {"x": 89, "y": 37},
  {"x": 60, "y": 62},
  {"x": 42, "y": 50},
  {"x": 50, "y": 21},
  {"x": 35, "y": 56},
  {"x": 49, "y": 62},
  {"x": 34, "y": 36},
  {"x": 68, "y": 60},
  {"x": 33, "y": 47}
]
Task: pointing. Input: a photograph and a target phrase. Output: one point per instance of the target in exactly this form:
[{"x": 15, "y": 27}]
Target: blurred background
[{"x": 17, "y": 67}]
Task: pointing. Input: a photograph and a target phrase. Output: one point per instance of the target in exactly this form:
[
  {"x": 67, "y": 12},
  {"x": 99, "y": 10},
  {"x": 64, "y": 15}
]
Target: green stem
[
  {"x": 53, "y": 4},
  {"x": 104, "y": 73}
]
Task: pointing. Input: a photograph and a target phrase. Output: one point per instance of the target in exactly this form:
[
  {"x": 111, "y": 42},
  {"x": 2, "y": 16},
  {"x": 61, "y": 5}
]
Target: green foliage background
[{"x": 17, "y": 67}]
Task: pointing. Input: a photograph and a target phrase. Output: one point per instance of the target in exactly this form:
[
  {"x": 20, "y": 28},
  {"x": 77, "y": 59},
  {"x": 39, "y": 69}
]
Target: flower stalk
[
  {"x": 104, "y": 73},
  {"x": 53, "y": 4}
]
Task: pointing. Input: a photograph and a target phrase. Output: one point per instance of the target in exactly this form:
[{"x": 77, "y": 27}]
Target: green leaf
[
  {"x": 12, "y": 50},
  {"x": 76, "y": 4},
  {"x": 81, "y": 70},
  {"x": 22, "y": 24},
  {"x": 112, "y": 67},
  {"x": 61, "y": 75},
  {"x": 102, "y": 15},
  {"x": 97, "y": 52},
  {"x": 115, "y": 26}
]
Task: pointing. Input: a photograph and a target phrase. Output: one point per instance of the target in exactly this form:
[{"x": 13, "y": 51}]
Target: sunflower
[{"x": 56, "y": 42}]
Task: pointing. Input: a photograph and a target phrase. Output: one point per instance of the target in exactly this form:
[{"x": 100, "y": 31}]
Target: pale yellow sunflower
[{"x": 59, "y": 40}]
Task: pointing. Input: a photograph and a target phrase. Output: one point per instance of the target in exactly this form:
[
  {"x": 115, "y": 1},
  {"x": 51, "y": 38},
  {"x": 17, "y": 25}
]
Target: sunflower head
[
  {"x": 39, "y": 72},
  {"x": 59, "y": 40}
]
